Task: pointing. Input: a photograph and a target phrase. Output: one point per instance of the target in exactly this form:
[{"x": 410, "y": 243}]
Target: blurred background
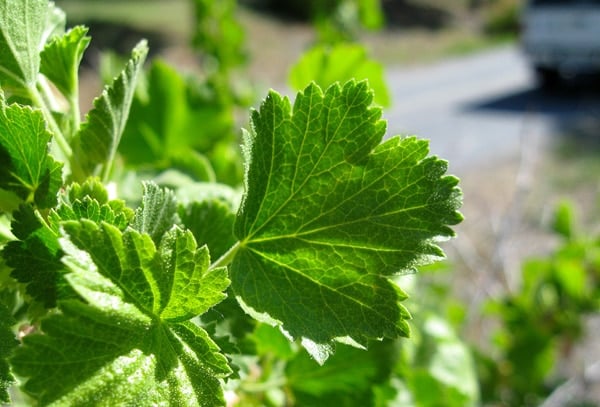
[{"x": 520, "y": 286}]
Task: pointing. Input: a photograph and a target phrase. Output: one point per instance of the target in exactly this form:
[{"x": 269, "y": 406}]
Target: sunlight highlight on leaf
[{"x": 329, "y": 215}]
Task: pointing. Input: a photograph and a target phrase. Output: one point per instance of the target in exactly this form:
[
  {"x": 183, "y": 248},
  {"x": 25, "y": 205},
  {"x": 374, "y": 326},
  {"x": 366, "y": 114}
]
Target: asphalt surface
[{"x": 483, "y": 108}]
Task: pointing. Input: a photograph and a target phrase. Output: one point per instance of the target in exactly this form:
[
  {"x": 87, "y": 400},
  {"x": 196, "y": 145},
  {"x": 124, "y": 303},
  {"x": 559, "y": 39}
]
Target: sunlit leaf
[
  {"x": 329, "y": 216},
  {"x": 131, "y": 342}
]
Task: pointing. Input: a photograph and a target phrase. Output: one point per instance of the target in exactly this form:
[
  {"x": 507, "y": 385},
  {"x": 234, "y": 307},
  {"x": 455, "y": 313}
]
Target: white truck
[{"x": 561, "y": 38}]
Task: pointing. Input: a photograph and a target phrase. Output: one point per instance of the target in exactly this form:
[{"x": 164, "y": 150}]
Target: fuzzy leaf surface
[
  {"x": 131, "y": 341},
  {"x": 99, "y": 137},
  {"x": 27, "y": 168},
  {"x": 157, "y": 212},
  {"x": 330, "y": 214},
  {"x": 22, "y": 25}
]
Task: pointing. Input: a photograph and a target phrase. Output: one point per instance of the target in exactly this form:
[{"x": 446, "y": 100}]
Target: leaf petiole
[{"x": 226, "y": 258}]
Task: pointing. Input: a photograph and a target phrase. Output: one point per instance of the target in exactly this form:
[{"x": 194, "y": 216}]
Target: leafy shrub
[
  {"x": 501, "y": 17},
  {"x": 188, "y": 294},
  {"x": 542, "y": 321}
]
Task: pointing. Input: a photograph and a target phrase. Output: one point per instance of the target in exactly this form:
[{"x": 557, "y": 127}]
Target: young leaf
[
  {"x": 113, "y": 212},
  {"x": 27, "y": 168},
  {"x": 326, "y": 65},
  {"x": 98, "y": 139},
  {"x": 61, "y": 57},
  {"x": 90, "y": 201},
  {"x": 329, "y": 216},
  {"x": 157, "y": 213},
  {"x": 7, "y": 344},
  {"x": 131, "y": 342}
]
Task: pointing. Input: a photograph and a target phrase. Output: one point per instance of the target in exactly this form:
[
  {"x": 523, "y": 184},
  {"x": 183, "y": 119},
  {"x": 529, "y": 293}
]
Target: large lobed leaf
[
  {"x": 35, "y": 258},
  {"x": 131, "y": 342},
  {"x": 329, "y": 216}
]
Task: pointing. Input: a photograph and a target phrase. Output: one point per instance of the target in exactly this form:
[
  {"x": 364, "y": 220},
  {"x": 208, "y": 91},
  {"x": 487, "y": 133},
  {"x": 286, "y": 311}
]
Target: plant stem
[
  {"x": 226, "y": 258},
  {"x": 38, "y": 100}
]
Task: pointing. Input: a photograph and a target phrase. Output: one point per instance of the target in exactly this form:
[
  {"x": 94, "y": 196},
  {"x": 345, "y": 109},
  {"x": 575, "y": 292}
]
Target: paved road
[{"x": 481, "y": 108}]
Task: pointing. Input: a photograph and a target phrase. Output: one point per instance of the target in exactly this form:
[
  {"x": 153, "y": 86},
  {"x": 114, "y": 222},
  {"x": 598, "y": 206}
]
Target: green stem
[
  {"x": 38, "y": 100},
  {"x": 74, "y": 105},
  {"x": 226, "y": 258},
  {"x": 47, "y": 94}
]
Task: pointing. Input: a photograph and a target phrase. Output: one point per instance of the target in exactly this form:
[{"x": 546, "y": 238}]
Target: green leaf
[
  {"x": 27, "y": 168},
  {"x": 131, "y": 342},
  {"x": 195, "y": 289},
  {"x": 329, "y": 216},
  {"x": 211, "y": 222},
  {"x": 22, "y": 24},
  {"x": 89, "y": 201},
  {"x": 97, "y": 140},
  {"x": 92, "y": 187},
  {"x": 61, "y": 57},
  {"x": 113, "y": 212},
  {"x": 8, "y": 342},
  {"x": 157, "y": 213},
  {"x": 218, "y": 34},
  {"x": 179, "y": 124},
  {"x": 564, "y": 220},
  {"x": 349, "y": 375},
  {"x": 36, "y": 257},
  {"x": 326, "y": 65},
  {"x": 444, "y": 368}
]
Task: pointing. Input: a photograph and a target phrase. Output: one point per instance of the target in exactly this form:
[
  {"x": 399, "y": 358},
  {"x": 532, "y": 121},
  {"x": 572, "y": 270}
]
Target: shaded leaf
[
  {"x": 8, "y": 342},
  {"x": 180, "y": 124},
  {"x": 211, "y": 222},
  {"x": 36, "y": 257},
  {"x": 348, "y": 378}
]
